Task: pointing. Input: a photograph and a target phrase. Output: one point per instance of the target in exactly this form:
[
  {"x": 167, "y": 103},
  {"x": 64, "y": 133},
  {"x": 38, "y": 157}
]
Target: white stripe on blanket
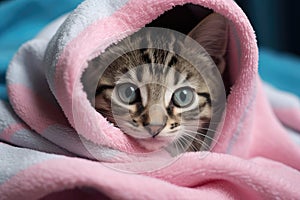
[
  {"x": 282, "y": 99},
  {"x": 24, "y": 157}
]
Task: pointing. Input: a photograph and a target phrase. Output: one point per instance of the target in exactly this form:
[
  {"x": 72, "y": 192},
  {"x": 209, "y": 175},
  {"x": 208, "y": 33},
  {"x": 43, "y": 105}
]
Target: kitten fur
[{"x": 153, "y": 118}]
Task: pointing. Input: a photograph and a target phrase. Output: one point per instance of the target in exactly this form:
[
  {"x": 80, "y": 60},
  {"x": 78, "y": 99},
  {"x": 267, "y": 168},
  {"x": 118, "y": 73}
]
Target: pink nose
[{"x": 154, "y": 129}]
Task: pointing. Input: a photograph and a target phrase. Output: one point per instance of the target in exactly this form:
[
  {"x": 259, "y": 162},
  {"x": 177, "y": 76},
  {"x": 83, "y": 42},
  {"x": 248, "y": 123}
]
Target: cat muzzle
[{"x": 154, "y": 130}]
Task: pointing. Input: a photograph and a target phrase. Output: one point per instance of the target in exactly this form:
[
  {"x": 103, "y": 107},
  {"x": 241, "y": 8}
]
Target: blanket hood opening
[{"x": 70, "y": 62}]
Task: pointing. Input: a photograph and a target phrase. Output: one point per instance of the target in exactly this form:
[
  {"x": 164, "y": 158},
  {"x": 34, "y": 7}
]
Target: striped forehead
[{"x": 156, "y": 82}]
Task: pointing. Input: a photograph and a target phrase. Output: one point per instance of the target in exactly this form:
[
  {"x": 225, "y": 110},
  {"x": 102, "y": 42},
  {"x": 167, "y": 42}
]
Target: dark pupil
[
  {"x": 182, "y": 95},
  {"x": 129, "y": 92}
]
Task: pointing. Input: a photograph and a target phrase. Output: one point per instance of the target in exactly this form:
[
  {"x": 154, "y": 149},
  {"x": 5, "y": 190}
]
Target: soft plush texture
[
  {"x": 286, "y": 107},
  {"x": 254, "y": 157}
]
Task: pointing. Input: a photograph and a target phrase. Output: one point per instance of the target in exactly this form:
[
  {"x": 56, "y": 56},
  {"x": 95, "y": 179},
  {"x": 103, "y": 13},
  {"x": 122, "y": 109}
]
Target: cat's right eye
[
  {"x": 128, "y": 93},
  {"x": 183, "y": 97}
]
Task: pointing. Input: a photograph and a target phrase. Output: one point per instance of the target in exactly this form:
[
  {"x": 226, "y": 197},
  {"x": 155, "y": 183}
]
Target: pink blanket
[{"x": 56, "y": 146}]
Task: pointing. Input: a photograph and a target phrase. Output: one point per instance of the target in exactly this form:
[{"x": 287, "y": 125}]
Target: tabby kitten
[{"x": 159, "y": 98}]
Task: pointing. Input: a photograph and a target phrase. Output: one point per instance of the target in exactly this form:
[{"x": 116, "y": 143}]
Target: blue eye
[
  {"x": 183, "y": 97},
  {"x": 128, "y": 93}
]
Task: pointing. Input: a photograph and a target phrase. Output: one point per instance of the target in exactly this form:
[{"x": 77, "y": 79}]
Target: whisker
[
  {"x": 208, "y": 129},
  {"x": 210, "y": 122},
  {"x": 200, "y": 129},
  {"x": 198, "y": 133},
  {"x": 182, "y": 147},
  {"x": 186, "y": 139},
  {"x": 198, "y": 123},
  {"x": 201, "y": 141},
  {"x": 175, "y": 145},
  {"x": 195, "y": 148},
  {"x": 187, "y": 143},
  {"x": 177, "y": 149}
]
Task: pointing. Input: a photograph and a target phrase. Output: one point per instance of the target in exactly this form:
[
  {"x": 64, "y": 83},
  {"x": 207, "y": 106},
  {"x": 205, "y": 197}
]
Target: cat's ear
[{"x": 212, "y": 34}]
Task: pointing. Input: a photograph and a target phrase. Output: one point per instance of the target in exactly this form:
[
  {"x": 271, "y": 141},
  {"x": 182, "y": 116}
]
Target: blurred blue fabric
[
  {"x": 23, "y": 19},
  {"x": 20, "y": 21},
  {"x": 282, "y": 70}
]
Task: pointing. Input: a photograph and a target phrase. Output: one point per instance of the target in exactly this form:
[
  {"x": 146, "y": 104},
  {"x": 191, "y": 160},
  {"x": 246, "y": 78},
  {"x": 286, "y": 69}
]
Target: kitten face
[
  {"x": 158, "y": 97},
  {"x": 152, "y": 102}
]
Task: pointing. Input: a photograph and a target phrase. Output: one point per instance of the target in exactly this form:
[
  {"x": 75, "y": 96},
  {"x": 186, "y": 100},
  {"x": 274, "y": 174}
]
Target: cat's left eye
[
  {"x": 128, "y": 93},
  {"x": 183, "y": 97}
]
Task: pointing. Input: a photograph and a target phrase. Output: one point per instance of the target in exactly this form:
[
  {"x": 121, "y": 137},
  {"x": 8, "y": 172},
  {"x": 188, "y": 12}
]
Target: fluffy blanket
[{"x": 53, "y": 139}]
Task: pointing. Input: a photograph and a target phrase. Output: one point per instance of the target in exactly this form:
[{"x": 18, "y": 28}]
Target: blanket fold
[{"x": 54, "y": 144}]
